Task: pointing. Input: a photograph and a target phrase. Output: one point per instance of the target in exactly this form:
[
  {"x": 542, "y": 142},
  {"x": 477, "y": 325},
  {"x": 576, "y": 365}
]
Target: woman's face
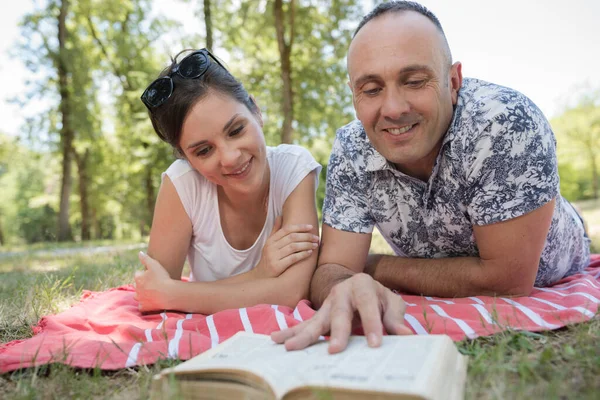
[{"x": 223, "y": 140}]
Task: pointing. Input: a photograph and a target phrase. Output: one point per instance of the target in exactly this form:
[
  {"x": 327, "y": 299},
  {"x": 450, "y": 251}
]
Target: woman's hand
[
  {"x": 152, "y": 286},
  {"x": 286, "y": 246}
]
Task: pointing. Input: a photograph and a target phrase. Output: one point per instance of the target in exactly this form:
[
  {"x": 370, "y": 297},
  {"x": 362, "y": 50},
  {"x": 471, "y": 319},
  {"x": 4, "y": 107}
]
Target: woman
[{"x": 242, "y": 212}]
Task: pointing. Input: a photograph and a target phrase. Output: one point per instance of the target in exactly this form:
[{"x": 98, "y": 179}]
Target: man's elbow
[
  {"x": 519, "y": 291},
  {"x": 513, "y": 284}
]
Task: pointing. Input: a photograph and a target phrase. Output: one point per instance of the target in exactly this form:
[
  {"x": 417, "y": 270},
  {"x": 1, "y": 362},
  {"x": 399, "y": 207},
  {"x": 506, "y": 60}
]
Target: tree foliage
[
  {"x": 290, "y": 55},
  {"x": 578, "y": 146}
]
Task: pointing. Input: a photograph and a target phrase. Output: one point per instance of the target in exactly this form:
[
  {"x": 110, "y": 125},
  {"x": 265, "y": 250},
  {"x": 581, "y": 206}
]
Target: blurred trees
[
  {"x": 577, "y": 132},
  {"x": 89, "y": 164},
  {"x": 94, "y": 163}
]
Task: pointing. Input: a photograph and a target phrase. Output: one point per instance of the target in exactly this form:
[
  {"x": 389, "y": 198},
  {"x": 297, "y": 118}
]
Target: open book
[{"x": 252, "y": 366}]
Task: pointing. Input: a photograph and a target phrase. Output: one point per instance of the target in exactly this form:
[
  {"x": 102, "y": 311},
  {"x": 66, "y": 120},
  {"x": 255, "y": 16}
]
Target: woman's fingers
[
  {"x": 286, "y": 230},
  {"x": 292, "y": 259}
]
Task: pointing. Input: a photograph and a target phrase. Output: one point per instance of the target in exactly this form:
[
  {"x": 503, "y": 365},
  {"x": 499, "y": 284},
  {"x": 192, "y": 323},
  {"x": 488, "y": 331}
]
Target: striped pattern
[{"x": 105, "y": 330}]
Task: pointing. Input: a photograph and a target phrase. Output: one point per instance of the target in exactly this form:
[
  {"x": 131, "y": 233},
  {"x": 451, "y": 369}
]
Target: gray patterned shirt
[{"x": 497, "y": 162}]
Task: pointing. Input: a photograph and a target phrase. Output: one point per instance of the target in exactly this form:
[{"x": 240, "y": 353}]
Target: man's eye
[
  {"x": 372, "y": 92},
  {"x": 416, "y": 83},
  {"x": 236, "y": 131}
]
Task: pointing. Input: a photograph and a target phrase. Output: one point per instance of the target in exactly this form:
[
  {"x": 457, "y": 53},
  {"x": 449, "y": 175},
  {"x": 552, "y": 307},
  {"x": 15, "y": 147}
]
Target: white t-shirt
[{"x": 210, "y": 256}]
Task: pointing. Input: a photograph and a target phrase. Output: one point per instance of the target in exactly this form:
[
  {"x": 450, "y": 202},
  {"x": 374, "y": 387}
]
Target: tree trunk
[
  {"x": 66, "y": 134},
  {"x": 208, "y": 24},
  {"x": 84, "y": 201},
  {"x": 94, "y": 223},
  {"x": 1, "y": 234},
  {"x": 285, "y": 49},
  {"x": 150, "y": 197},
  {"x": 594, "y": 166}
]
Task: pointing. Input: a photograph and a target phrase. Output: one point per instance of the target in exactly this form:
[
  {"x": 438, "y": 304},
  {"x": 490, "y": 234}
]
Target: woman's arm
[
  {"x": 171, "y": 230},
  {"x": 210, "y": 297}
]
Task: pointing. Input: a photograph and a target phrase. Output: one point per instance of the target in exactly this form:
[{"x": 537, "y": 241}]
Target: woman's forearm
[{"x": 212, "y": 297}]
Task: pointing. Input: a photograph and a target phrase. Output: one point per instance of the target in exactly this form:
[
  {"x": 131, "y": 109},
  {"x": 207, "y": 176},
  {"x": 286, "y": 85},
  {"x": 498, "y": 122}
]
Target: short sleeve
[
  {"x": 291, "y": 164},
  {"x": 346, "y": 195},
  {"x": 187, "y": 182},
  {"x": 512, "y": 169}
]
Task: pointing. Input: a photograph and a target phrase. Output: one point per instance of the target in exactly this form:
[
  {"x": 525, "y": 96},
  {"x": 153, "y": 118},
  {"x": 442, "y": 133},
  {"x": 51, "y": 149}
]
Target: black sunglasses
[{"x": 192, "y": 66}]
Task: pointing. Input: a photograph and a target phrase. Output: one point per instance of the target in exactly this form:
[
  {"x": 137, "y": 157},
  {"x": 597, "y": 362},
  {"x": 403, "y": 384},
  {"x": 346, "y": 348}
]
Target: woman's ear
[{"x": 258, "y": 113}]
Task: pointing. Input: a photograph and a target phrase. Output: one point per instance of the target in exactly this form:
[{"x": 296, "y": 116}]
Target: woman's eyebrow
[{"x": 230, "y": 122}]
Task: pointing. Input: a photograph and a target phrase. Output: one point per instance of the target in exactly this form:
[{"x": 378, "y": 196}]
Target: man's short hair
[
  {"x": 398, "y": 6},
  {"x": 402, "y": 6}
]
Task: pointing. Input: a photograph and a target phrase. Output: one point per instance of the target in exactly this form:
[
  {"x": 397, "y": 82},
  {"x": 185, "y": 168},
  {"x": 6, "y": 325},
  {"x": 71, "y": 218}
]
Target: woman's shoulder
[
  {"x": 287, "y": 151},
  {"x": 180, "y": 168}
]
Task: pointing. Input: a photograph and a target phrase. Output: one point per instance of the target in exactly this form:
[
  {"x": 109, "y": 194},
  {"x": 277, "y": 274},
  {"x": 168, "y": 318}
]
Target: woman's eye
[
  {"x": 236, "y": 131},
  {"x": 203, "y": 151}
]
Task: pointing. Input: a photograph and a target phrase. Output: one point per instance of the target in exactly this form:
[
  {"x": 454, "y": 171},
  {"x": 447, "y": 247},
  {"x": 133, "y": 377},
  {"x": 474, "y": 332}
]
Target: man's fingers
[
  {"x": 310, "y": 331},
  {"x": 394, "y": 309},
  {"x": 285, "y": 334},
  {"x": 342, "y": 315},
  {"x": 367, "y": 303}
]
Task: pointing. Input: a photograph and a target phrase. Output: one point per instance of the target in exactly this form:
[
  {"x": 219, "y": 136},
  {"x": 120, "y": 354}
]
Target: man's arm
[
  {"x": 343, "y": 295},
  {"x": 509, "y": 256},
  {"x": 341, "y": 255}
]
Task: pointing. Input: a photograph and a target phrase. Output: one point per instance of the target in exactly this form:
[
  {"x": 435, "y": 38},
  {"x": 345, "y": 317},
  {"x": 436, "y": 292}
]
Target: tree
[
  {"x": 578, "y": 137},
  {"x": 66, "y": 135},
  {"x": 316, "y": 35},
  {"x": 285, "y": 48},
  {"x": 125, "y": 34},
  {"x": 208, "y": 25}
]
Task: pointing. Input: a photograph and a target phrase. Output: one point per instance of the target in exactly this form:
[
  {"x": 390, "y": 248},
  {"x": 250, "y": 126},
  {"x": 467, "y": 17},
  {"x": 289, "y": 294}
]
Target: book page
[{"x": 398, "y": 365}]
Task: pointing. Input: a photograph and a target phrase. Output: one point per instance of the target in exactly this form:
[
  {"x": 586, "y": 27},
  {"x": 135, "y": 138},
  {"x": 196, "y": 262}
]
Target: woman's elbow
[{"x": 293, "y": 291}]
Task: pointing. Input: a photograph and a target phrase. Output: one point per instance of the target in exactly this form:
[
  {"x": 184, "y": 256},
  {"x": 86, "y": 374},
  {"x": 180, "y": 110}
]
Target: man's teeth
[
  {"x": 241, "y": 170},
  {"x": 398, "y": 131}
]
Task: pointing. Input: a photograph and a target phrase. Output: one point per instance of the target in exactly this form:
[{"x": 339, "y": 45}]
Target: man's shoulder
[
  {"x": 477, "y": 95},
  {"x": 351, "y": 132},
  {"x": 352, "y": 145},
  {"x": 484, "y": 107}
]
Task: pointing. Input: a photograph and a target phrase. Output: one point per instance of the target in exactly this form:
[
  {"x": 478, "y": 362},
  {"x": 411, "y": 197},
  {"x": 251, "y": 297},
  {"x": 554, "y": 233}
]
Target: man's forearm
[
  {"x": 444, "y": 277},
  {"x": 325, "y": 277}
]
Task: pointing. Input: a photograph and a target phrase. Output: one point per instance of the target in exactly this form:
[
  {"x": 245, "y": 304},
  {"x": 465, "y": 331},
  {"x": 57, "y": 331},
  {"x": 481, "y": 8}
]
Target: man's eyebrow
[
  {"x": 225, "y": 128},
  {"x": 416, "y": 68},
  {"x": 365, "y": 78},
  {"x": 406, "y": 70}
]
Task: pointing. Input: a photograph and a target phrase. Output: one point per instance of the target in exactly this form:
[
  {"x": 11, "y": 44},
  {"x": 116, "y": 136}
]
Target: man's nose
[{"x": 395, "y": 104}]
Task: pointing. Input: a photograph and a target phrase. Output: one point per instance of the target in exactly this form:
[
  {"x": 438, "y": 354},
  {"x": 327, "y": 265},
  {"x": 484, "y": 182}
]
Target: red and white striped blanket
[{"x": 106, "y": 330}]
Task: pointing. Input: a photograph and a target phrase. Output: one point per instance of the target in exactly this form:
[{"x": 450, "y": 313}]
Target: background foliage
[{"x": 89, "y": 165}]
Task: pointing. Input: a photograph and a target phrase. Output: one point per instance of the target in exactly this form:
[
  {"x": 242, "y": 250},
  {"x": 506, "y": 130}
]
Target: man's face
[{"x": 403, "y": 88}]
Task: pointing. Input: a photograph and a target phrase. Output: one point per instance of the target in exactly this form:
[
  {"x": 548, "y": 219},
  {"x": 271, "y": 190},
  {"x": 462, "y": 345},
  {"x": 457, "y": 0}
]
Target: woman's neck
[{"x": 250, "y": 201}]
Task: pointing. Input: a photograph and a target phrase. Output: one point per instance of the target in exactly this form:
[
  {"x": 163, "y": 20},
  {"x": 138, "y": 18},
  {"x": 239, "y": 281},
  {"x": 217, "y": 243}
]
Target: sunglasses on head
[{"x": 192, "y": 66}]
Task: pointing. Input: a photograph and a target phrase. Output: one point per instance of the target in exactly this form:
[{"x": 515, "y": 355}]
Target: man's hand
[
  {"x": 356, "y": 297},
  {"x": 152, "y": 285},
  {"x": 285, "y": 247}
]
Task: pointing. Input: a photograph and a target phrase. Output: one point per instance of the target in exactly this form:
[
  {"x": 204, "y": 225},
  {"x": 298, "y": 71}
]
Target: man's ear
[
  {"x": 257, "y": 113},
  {"x": 456, "y": 79}
]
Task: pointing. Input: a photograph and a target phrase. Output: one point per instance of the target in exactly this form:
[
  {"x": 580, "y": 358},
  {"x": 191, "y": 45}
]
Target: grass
[{"x": 555, "y": 365}]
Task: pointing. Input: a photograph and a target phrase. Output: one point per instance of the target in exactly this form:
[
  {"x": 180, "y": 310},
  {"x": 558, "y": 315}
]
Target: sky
[{"x": 547, "y": 49}]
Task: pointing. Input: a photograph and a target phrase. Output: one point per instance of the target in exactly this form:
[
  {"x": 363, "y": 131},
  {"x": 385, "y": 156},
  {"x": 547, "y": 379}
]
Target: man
[{"x": 459, "y": 176}]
